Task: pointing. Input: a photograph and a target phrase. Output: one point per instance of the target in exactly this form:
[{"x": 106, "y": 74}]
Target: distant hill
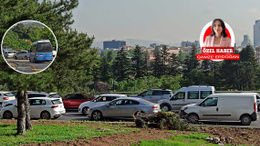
[{"x": 133, "y": 42}]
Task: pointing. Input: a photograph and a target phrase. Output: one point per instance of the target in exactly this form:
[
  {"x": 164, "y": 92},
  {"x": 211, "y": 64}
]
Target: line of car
[{"x": 189, "y": 101}]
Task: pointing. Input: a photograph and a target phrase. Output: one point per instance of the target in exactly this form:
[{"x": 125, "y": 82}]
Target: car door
[
  {"x": 128, "y": 108},
  {"x": 78, "y": 99},
  {"x": 68, "y": 101},
  {"x": 178, "y": 101},
  {"x": 113, "y": 109},
  {"x": 36, "y": 107},
  {"x": 208, "y": 109},
  {"x": 157, "y": 95}
]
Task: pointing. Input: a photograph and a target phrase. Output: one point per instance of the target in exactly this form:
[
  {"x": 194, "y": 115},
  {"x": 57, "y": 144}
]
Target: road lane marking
[{"x": 34, "y": 68}]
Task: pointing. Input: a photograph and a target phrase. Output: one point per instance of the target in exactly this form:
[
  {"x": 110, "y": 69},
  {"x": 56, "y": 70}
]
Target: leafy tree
[
  {"x": 156, "y": 64},
  {"x": 165, "y": 60},
  {"x": 191, "y": 61}
]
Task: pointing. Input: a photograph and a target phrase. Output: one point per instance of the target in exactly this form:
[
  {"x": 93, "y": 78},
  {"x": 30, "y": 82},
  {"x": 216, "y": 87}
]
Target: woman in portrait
[{"x": 218, "y": 38}]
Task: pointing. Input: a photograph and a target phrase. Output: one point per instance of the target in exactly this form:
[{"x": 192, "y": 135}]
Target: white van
[
  {"x": 186, "y": 95},
  {"x": 224, "y": 107}
]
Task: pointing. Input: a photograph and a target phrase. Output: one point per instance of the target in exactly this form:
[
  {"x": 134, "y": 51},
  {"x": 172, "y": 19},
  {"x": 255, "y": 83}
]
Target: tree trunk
[
  {"x": 27, "y": 111},
  {"x": 21, "y": 113}
]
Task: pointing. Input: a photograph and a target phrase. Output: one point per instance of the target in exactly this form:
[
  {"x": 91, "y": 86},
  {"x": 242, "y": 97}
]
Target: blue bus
[{"x": 41, "y": 50}]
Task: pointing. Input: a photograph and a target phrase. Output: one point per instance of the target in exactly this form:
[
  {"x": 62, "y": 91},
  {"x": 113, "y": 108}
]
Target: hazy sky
[{"x": 168, "y": 21}]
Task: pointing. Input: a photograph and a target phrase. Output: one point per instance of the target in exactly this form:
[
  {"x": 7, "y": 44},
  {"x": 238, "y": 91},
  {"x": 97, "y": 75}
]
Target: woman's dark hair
[{"x": 222, "y": 25}]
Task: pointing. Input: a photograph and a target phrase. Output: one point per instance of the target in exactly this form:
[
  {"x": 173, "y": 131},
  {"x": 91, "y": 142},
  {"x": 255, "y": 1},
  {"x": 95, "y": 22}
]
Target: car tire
[
  {"x": 97, "y": 116},
  {"x": 7, "y": 115},
  {"x": 140, "y": 123},
  {"x": 84, "y": 111},
  {"x": 246, "y": 120},
  {"x": 45, "y": 115},
  {"x": 166, "y": 107},
  {"x": 193, "y": 118}
]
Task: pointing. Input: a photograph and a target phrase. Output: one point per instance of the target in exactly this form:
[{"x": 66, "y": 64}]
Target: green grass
[
  {"x": 195, "y": 139},
  {"x": 49, "y": 133}
]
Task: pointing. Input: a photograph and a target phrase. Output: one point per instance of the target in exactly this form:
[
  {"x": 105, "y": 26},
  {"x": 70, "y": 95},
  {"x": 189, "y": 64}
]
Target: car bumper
[
  {"x": 183, "y": 114},
  {"x": 254, "y": 116}
]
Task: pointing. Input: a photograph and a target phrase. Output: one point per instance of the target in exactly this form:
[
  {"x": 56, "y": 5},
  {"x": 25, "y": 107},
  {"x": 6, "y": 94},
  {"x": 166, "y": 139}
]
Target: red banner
[{"x": 218, "y": 56}]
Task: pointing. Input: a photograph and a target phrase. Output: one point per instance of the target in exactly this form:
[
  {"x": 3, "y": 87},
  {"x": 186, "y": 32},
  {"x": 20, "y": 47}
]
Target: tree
[
  {"x": 156, "y": 64},
  {"x": 165, "y": 60},
  {"x": 121, "y": 65},
  {"x": 191, "y": 61},
  {"x": 138, "y": 62},
  {"x": 74, "y": 65}
]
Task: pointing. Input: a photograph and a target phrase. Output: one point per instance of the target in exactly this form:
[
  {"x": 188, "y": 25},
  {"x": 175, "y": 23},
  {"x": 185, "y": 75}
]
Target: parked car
[
  {"x": 123, "y": 108},
  {"x": 224, "y": 107},
  {"x": 186, "y": 95},
  {"x": 102, "y": 99},
  {"x": 40, "y": 107},
  {"x": 9, "y": 54},
  {"x": 6, "y": 96},
  {"x": 74, "y": 100},
  {"x": 21, "y": 55},
  {"x": 154, "y": 95}
]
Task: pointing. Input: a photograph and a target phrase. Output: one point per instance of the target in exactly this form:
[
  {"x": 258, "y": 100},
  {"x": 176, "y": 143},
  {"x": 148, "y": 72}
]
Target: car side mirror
[{"x": 108, "y": 105}]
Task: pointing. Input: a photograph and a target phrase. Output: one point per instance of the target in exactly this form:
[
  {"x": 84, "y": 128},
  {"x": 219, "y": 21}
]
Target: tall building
[
  {"x": 245, "y": 41},
  {"x": 114, "y": 44},
  {"x": 257, "y": 33}
]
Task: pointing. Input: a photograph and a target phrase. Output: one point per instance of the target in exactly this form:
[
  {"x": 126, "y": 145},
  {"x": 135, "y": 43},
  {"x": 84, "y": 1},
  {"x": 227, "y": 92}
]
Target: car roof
[
  {"x": 112, "y": 95},
  {"x": 160, "y": 89},
  {"x": 43, "y": 98},
  {"x": 37, "y": 93},
  {"x": 232, "y": 94}
]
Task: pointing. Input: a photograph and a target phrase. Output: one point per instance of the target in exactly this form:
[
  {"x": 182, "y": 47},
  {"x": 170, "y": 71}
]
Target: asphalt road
[
  {"x": 26, "y": 66},
  {"x": 74, "y": 115}
]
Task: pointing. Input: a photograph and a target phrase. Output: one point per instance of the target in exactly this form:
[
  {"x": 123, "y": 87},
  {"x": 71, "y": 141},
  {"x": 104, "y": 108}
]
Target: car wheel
[
  {"x": 7, "y": 115},
  {"x": 246, "y": 120},
  {"x": 45, "y": 115},
  {"x": 166, "y": 107},
  {"x": 84, "y": 111},
  {"x": 97, "y": 115},
  {"x": 140, "y": 123},
  {"x": 193, "y": 118}
]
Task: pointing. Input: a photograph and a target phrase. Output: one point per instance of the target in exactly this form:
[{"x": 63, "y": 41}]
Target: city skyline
[{"x": 165, "y": 21}]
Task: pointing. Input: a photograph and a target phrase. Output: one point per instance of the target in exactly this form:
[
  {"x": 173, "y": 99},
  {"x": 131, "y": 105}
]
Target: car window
[
  {"x": 117, "y": 102},
  {"x": 257, "y": 97},
  {"x": 193, "y": 94},
  {"x": 69, "y": 97},
  {"x": 204, "y": 94},
  {"x": 130, "y": 102},
  {"x": 37, "y": 102},
  {"x": 157, "y": 93},
  {"x": 179, "y": 95},
  {"x": 148, "y": 93},
  {"x": 8, "y": 94},
  {"x": 166, "y": 92},
  {"x": 79, "y": 96},
  {"x": 56, "y": 102},
  {"x": 212, "y": 101}
]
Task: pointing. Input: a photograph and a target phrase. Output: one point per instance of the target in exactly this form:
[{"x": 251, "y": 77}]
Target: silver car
[
  {"x": 101, "y": 100},
  {"x": 22, "y": 55},
  {"x": 123, "y": 108}
]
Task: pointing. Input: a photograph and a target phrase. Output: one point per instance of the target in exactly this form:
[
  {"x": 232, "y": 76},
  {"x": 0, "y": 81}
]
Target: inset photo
[{"x": 29, "y": 47}]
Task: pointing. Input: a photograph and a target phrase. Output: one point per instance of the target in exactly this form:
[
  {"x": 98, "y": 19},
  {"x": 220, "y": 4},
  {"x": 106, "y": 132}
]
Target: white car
[
  {"x": 5, "y": 96},
  {"x": 40, "y": 107},
  {"x": 102, "y": 99},
  {"x": 224, "y": 107}
]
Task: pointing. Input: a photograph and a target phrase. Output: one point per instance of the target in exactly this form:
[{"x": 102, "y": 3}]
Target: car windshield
[
  {"x": 36, "y": 95},
  {"x": 44, "y": 47}
]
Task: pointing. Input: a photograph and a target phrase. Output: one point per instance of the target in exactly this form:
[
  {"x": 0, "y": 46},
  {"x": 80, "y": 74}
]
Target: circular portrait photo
[
  {"x": 29, "y": 47},
  {"x": 217, "y": 33}
]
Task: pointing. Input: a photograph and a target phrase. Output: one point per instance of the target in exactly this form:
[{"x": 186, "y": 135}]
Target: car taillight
[
  {"x": 5, "y": 98},
  {"x": 55, "y": 106},
  {"x": 255, "y": 106},
  {"x": 155, "y": 106}
]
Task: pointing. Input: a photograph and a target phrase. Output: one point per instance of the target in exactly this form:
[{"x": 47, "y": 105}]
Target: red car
[{"x": 74, "y": 100}]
